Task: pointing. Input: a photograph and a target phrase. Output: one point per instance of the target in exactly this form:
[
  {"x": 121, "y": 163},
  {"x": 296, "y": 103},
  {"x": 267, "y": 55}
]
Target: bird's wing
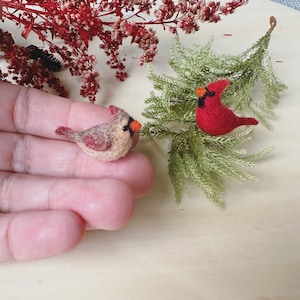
[{"x": 99, "y": 142}]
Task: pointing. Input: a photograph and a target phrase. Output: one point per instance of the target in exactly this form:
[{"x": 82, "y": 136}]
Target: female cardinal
[
  {"x": 108, "y": 141},
  {"x": 212, "y": 116}
]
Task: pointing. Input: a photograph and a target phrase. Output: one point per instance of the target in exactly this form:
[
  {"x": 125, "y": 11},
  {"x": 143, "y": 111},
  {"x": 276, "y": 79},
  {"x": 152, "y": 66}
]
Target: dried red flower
[
  {"x": 26, "y": 71},
  {"x": 78, "y": 22}
]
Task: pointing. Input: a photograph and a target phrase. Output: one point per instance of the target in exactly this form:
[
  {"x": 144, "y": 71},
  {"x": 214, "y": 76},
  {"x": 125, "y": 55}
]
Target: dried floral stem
[
  {"x": 25, "y": 71},
  {"x": 77, "y": 23}
]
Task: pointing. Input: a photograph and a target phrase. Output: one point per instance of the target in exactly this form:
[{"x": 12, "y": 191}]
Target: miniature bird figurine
[
  {"x": 108, "y": 141},
  {"x": 212, "y": 116}
]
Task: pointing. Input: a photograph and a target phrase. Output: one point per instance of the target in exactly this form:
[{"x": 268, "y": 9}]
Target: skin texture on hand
[{"x": 50, "y": 190}]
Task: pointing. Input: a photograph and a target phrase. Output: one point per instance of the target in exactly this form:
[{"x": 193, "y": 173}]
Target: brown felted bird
[{"x": 108, "y": 141}]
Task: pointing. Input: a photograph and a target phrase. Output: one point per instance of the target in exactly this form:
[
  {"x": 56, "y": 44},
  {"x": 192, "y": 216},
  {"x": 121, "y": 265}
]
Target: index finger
[{"x": 30, "y": 111}]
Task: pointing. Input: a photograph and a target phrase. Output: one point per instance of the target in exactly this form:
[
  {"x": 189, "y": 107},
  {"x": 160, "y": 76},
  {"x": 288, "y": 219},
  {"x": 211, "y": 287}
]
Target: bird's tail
[
  {"x": 65, "y": 131},
  {"x": 247, "y": 121}
]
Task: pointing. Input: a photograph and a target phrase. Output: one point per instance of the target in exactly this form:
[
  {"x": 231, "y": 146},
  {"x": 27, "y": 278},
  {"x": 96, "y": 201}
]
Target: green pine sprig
[{"x": 210, "y": 160}]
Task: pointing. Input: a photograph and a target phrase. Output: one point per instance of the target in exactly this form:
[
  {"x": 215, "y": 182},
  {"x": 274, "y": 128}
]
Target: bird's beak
[
  {"x": 200, "y": 92},
  {"x": 135, "y": 125}
]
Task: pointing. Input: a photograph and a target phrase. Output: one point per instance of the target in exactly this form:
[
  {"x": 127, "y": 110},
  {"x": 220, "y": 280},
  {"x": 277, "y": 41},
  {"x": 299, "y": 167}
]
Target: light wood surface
[{"x": 250, "y": 250}]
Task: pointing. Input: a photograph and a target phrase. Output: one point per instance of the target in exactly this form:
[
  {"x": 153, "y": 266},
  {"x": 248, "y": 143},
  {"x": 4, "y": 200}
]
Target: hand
[{"x": 50, "y": 190}]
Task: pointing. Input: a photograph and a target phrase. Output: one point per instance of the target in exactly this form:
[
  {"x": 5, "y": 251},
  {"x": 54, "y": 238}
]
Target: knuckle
[
  {"x": 5, "y": 193},
  {"x": 21, "y": 113},
  {"x": 20, "y": 159}
]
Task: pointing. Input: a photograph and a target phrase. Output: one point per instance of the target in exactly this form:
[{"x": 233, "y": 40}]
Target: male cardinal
[
  {"x": 108, "y": 141},
  {"x": 212, "y": 116}
]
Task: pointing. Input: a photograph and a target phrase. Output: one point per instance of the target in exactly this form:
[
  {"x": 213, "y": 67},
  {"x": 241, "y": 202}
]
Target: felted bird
[
  {"x": 108, "y": 141},
  {"x": 212, "y": 116}
]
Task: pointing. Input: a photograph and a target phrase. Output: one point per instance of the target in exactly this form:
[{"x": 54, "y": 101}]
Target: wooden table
[{"x": 250, "y": 250}]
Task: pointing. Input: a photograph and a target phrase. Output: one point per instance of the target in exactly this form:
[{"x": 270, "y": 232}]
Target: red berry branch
[
  {"x": 77, "y": 22},
  {"x": 25, "y": 71}
]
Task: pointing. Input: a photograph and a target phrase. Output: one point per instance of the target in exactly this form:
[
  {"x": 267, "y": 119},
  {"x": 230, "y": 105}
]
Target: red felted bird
[{"x": 212, "y": 116}]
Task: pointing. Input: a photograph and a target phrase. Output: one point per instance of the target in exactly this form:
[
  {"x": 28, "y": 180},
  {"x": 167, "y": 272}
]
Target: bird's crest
[{"x": 114, "y": 109}]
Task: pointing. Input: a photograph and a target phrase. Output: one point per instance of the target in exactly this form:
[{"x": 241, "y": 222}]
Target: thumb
[{"x": 35, "y": 235}]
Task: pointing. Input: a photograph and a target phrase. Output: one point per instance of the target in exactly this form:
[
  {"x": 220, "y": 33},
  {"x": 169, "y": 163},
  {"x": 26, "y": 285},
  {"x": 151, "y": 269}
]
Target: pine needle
[{"x": 194, "y": 155}]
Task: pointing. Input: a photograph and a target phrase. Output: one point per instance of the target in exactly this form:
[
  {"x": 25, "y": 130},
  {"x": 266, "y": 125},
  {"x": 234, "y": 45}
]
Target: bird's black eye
[
  {"x": 209, "y": 93},
  {"x": 128, "y": 128}
]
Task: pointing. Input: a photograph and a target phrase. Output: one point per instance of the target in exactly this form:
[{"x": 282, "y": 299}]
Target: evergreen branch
[
  {"x": 205, "y": 159},
  {"x": 229, "y": 141}
]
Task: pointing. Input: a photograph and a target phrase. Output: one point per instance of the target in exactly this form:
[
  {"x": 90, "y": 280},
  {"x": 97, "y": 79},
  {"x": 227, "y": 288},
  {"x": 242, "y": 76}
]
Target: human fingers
[
  {"x": 39, "y": 156},
  {"x": 34, "y": 112},
  {"x": 35, "y": 235},
  {"x": 105, "y": 203}
]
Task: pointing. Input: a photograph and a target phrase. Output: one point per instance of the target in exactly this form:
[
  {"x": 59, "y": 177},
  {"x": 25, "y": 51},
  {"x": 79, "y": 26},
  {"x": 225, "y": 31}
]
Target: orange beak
[
  {"x": 135, "y": 125},
  {"x": 201, "y": 92}
]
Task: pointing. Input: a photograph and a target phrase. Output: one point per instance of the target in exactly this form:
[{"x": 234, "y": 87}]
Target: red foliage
[
  {"x": 25, "y": 71},
  {"x": 77, "y": 22}
]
